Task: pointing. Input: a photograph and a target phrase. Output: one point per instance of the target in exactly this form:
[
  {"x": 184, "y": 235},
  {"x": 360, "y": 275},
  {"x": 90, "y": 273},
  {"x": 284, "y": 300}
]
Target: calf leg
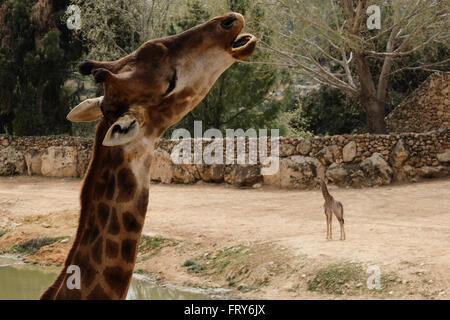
[
  {"x": 341, "y": 222},
  {"x": 328, "y": 215},
  {"x": 340, "y": 216}
]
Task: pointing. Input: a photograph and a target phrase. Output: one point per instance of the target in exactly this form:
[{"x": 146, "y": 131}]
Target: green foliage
[
  {"x": 112, "y": 29},
  {"x": 38, "y": 56},
  {"x": 327, "y": 111},
  {"x": 36, "y": 59},
  {"x": 3, "y": 232},
  {"x": 196, "y": 13},
  {"x": 245, "y": 96}
]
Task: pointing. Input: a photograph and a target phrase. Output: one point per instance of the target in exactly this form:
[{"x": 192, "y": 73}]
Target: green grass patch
[
  {"x": 215, "y": 262},
  {"x": 3, "y": 232},
  {"x": 337, "y": 278},
  {"x": 188, "y": 263},
  {"x": 246, "y": 268},
  {"x": 349, "y": 279},
  {"x": 223, "y": 258},
  {"x": 193, "y": 266},
  {"x": 32, "y": 246},
  {"x": 153, "y": 245}
]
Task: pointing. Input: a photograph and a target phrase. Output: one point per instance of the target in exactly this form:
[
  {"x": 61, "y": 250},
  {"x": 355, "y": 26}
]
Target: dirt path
[{"x": 403, "y": 229}]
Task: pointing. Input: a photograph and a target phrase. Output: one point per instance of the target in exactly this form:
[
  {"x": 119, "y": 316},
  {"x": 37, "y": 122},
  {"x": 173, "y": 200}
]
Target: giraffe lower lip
[{"x": 242, "y": 41}]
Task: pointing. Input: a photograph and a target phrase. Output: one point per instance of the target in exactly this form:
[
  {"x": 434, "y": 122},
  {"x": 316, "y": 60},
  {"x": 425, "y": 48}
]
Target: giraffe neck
[
  {"x": 326, "y": 195},
  {"x": 114, "y": 200}
]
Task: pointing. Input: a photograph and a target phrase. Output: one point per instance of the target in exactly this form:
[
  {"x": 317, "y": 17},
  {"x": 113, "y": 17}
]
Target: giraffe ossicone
[{"x": 146, "y": 92}]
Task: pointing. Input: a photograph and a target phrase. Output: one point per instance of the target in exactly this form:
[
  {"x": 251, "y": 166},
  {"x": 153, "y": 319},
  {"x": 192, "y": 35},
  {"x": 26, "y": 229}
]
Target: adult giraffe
[{"x": 146, "y": 92}]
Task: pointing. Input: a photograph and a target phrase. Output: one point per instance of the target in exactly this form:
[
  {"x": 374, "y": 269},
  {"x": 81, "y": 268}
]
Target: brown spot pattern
[
  {"x": 114, "y": 227},
  {"x": 101, "y": 185},
  {"x": 116, "y": 157},
  {"x": 103, "y": 214},
  {"x": 126, "y": 183},
  {"x": 97, "y": 251},
  {"x": 142, "y": 202},
  {"x": 87, "y": 271},
  {"x": 94, "y": 232},
  {"x": 110, "y": 187},
  {"x": 129, "y": 250},
  {"x": 90, "y": 234},
  {"x": 98, "y": 294},
  {"x": 130, "y": 223},
  {"x": 112, "y": 249},
  {"x": 117, "y": 279}
]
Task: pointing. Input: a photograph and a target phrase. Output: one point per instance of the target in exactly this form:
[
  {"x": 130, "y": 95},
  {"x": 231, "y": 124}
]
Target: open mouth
[
  {"x": 243, "y": 46},
  {"x": 242, "y": 41}
]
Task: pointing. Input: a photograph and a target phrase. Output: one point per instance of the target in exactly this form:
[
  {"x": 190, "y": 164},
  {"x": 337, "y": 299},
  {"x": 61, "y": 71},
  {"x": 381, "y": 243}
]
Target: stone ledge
[{"x": 346, "y": 160}]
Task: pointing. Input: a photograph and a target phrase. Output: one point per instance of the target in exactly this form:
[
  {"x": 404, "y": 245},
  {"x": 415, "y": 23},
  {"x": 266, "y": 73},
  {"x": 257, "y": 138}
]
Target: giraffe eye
[{"x": 172, "y": 84}]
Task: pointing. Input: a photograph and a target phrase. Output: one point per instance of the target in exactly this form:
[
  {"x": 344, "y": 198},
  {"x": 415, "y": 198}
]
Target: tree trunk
[
  {"x": 368, "y": 97},
  {"x": 374, "y": 114}
]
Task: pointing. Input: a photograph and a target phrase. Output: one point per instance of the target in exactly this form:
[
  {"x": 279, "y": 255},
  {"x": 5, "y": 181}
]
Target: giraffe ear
[
  {"x": 87, "y": 111},
  {"x": 124, "y": 130}
]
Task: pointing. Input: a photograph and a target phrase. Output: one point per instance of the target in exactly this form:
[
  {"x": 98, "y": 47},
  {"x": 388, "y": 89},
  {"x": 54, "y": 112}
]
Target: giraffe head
[{"x": 155, "y": 86}]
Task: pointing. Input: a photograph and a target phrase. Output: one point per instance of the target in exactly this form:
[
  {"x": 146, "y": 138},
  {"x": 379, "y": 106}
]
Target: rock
[
  {"x": 243, "y": 175},
  {"x": 161, "y": 167},
  {"x": 304, "y": 147},
  {"x": 59, "y": 162},
  {"x": 257, "y": 186},
  {"x": 287, "y": 149},
  {"x": 328, "y": 155},
  {"x": 377, "y": 170},
  {"x": 444, "y": 157},
  {"x": 399, "y": 154},
  {"x": 12, "y": 162},
  {"x": 345, "y": 174},
  {"x": 408, "y": 170},
  {"x": 185, "y": 173},
  {"x": 5, "y": 142},
  {"x": 33, "y": 162},
  {"x": 432, "y": 172},
  {"x": 337, "y": 173},
  {"x": 296, "y": 172},
  {"x": 83, "y": 159},
  {"x": 213, "y": 173},
  {"x": 349, "y": 151}
]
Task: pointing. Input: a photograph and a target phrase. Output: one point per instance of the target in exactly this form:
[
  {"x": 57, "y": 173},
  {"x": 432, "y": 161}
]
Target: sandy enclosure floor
[{"x": 393, "y": 227}]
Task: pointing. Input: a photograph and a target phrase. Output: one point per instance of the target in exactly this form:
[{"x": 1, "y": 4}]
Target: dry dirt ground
[{"x": 262, "y": 243}]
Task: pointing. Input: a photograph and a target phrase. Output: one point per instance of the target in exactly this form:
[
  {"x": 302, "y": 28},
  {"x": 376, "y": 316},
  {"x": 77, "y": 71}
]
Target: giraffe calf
[{"x": 332, "y": 206}]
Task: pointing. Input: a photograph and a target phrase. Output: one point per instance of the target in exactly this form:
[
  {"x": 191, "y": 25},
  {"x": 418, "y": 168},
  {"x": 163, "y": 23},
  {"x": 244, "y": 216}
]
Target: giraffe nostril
[{"x": 228, "y": 23}]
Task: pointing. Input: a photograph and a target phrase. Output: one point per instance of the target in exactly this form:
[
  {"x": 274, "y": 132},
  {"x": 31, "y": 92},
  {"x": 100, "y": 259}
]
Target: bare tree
[{"x": 330, "y": 42}]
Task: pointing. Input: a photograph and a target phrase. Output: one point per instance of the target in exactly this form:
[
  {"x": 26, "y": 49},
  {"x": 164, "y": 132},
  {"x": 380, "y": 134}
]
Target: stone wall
[
  {"x": 427, "y": 108},
  {"x": 347, "y": 160}
]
